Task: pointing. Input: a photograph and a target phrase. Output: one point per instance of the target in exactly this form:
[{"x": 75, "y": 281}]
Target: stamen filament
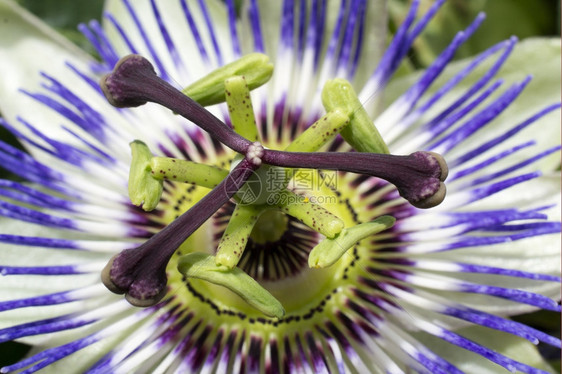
[
  {"x": 320, "y": 132},
  {"x": 317, "y": 135},
  {"x": 311, "y": 214},
  {"x": 184, "y": 171},
  {"x": 134, "y": 82},
  {"x": 202, "y": 266}
]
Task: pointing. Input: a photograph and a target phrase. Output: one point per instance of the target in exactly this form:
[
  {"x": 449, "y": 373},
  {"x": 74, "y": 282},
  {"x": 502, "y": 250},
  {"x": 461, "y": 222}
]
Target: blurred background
[{"x": 522, "y": 18}]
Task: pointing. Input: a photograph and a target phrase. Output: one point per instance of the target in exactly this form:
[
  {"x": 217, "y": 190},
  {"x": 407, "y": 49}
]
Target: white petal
[
  {"x": 28, "y": 46},
  {"x": 173, "y": 17},
  {"x": 537, "y": 57},
  {"x": 537, "y": 192},
  {"x": 506, "y": 344}
]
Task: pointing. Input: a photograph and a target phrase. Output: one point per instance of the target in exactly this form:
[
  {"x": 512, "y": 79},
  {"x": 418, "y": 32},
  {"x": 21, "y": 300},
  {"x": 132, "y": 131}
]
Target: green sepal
[
  {"x": 329, "y": 251},
  {"x": 143, "y": 188},
  {"x": 240, "y": 109},
  {"x": 202, "y": 266},
  {"x": 209, "y": 90},
  {"x": 361, "y": 133},
  {"x": 236, "y": 234}
]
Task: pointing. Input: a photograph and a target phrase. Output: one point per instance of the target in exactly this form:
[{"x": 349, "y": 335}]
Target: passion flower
[{"x": 280, "y": 231}]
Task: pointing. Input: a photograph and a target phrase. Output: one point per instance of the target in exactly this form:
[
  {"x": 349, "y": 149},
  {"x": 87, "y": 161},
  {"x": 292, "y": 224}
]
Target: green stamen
[
  {"x": 361, "y": 133},
  {"x": 235, "y": 237},
  {"x": 329, "y": 251},
  {"x": 318, "y": 135},
  {"x": 186, "y": 171},
  {"x": 321, "y": 132},
  {"x": 240, "y": 108},
  {"x": 209, "y": 90},
  {"x": 147, "y": 173},
  {"x": 312, "y": 215},
  {"x": 143, "y": 188},
  {"x": 202, "y": 266}
]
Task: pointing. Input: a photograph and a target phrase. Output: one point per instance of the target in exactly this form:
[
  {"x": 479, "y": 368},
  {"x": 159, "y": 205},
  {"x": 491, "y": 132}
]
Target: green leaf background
[{"x": 522, "y": 18}]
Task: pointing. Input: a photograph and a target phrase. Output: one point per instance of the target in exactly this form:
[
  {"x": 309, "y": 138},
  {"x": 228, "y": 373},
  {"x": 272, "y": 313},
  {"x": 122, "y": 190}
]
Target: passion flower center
[{"x": 141, "y": 272}]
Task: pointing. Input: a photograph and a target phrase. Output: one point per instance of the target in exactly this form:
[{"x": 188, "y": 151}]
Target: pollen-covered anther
[{"x": 255, "y": 153}]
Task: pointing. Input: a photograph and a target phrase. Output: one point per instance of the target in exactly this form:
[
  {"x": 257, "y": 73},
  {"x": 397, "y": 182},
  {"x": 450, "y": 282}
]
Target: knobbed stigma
[{"x": 418, "y": 177}]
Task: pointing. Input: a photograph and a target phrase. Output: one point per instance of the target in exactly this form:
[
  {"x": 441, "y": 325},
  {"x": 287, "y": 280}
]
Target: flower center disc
[{"x": 276, "y": 254}]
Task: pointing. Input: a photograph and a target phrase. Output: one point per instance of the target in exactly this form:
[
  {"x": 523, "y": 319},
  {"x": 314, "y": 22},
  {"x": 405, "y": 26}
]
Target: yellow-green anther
[
  {"x": 313, "y": 215},
  {"x": 186, "y": 171},
  {"x": 143, "y": 188},
  {"x": 361, "y": 133},
  {"x": 209, "y": 90},
  {"x": 240, "y": 107},
  {"x": 202, "y": 266},
  {"x": 329, "y": 251},
  {"x": 321, "y": 132},
  {"x": 235, "y": 237}
]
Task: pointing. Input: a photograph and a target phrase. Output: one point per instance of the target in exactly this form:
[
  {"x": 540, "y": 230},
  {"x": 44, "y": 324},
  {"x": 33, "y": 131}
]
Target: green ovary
[{"x": 270, "y": 227}]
